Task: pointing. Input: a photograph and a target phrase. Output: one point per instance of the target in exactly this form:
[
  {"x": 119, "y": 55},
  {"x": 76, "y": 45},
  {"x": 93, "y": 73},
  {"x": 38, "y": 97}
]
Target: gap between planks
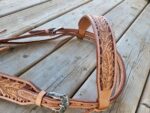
[
  {"x": 133, "y": 20},
  {"x": 15, "y": 9}
]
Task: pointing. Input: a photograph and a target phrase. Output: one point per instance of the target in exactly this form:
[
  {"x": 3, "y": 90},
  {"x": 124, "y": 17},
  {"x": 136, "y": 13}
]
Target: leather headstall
[{"x": 110, "y": 69}]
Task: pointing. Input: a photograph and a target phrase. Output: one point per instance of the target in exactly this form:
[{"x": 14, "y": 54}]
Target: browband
[{"x": 110, "y": 71}]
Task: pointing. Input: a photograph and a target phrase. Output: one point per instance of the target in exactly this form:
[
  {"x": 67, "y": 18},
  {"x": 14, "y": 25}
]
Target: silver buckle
[
  {"x": 64, "y": 101},
  {"x": 54, "y": 30}
]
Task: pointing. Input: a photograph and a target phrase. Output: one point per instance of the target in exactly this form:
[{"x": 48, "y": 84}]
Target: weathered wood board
[
  {"x": 130, "y": 10},
  {"x": 11, "y": 6}
]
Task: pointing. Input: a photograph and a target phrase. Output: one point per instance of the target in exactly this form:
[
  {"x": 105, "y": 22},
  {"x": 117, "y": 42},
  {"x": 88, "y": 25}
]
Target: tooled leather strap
[
  {"x": 106, "y": 56},
  {"x": 110, "y": 74}
]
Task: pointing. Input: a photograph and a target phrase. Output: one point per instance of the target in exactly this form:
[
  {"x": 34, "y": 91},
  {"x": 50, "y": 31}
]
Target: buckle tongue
[{"x": 64, "y": 101}]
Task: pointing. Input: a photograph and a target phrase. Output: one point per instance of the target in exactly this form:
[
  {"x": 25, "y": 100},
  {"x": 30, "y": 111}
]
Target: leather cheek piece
[
  {"x": 39, "y": 98},
  {"x": 102, "y": 33}
]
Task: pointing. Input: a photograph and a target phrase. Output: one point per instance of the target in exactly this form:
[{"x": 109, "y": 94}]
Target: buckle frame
[
  {"x": 64, "y": 101},
  {"x": 54, "y": 30}
]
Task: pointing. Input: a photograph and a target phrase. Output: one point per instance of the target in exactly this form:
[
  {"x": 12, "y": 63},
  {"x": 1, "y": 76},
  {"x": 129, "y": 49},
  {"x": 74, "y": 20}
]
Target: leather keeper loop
[
  {"x": 84, "y": 23},
  {"x": 39, "y": 98}
]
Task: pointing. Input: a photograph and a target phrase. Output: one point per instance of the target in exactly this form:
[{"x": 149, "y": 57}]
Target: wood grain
[
  {"x": 132, "y": 8},
  {"x": 11, "y": 6}
]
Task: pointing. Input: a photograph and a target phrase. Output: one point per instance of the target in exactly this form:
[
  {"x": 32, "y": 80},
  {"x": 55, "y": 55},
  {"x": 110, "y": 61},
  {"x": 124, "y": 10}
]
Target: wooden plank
[
  {"x": 11, "y": 6},
  {"x": 28, "y": 57},
  {"x": 31, "y": 56},
  {"x": 144, "y": 105},
  {"x": 33, "y": 17},
  {"x": 132, "y": 8},
  {"x": 135, "y": 49}
]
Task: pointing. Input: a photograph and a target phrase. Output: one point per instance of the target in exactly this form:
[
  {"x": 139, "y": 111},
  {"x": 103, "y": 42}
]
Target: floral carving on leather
[
  {"x": 9, "y": 88},
  {"x": 108, "y": 55}
]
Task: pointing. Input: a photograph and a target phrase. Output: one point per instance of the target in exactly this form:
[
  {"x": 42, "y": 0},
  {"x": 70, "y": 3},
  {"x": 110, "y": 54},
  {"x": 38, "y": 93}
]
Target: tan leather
[
  {"x": 110, "y": 72},
  {"x": 39, "y": 98}
]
